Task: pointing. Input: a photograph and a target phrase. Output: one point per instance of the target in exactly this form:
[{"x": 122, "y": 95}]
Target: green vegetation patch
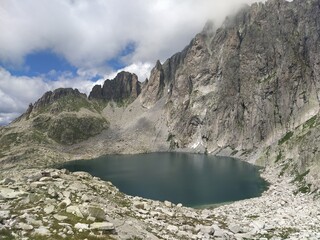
[
  {"x": 279, "y": 156},
  {"x": 310, "y": 123},
  {"x": 285, "y": 138},
  {"x": 286, "y": 232},
  {"x": 300, "y": 177},
  {"x": 69, "y": 103},
  {"x": 72, "y": 129}
]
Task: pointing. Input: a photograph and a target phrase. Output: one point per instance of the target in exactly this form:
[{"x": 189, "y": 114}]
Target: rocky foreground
[{"x": 56, "y": 204}]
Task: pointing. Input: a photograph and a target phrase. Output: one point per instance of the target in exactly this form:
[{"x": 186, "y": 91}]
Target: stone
[
  {"x": 81, "y": 226},
  {"x": 34, "y": 177},
  {"x": 74, "y": 210},
  {"x": 85, "y": 198},
  {"x": 258, "y": 225},
  {"x": 65, "y": 203},
  {"x": 78, "y": 186},
  {"x": 66, "y": 194},
  {"x": 4, "y": 214},
  {"x": 235, "y": 228},
  {"x": 60, "y": 217},
  {"x": 138, "y": 204},
  {"x": 52, "y": 192},
  {"x": 172, "y": 228},
  {"x": 7, "y": 181},
  {"x": 207, "y": 230},
  {"x": 105, "y": 226},
  {"x": 37, "y": 184},
  {"x": 48, "y": 209},
  {"x": 45, "y": 179},
  {"x": 8, "y": 193},
  {"x": 97, "y": 213},
  {"x": 42, "y": 231},
  {"x": 81, "y": 174},
  {"x": 167, "y": 204},
  {"x": 24, "y": 226}
]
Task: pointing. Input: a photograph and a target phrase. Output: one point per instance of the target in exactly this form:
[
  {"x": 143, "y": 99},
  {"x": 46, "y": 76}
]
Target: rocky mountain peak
[
  {"x": 52, "y": 96},
  {"x": 154, "y": 88},
  {"x": 125, "y": 86}
]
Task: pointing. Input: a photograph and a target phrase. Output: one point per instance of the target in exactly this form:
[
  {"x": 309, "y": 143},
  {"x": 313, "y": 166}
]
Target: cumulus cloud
[
  {"x": 88, "y": 33},
  {"x": 16, "y": 93}
]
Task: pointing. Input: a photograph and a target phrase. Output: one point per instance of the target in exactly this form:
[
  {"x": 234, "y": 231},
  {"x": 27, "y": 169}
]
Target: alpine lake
[{"x": 195, "y": 180}]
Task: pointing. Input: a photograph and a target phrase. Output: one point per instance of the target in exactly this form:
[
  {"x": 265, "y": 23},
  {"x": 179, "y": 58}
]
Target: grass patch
[
  {"x": 300, "y": 177},
  {"x": 310, "y": 123},
  {"x": 71, "y": 129},
  {"x": 69, "y": 103},
  {"x": 303, "y": 189},
  {"x": 279, "y": 156},
  {"x": 285, "y": 138},
  {"x": 5, "y": 234},
  {"x": 286, "y": 232},
  {"x": 234, "y": 152},
  {"x": 253, "y": 216},
  {"x": 8, "y": 139},
  {"x": 284, "y": 169}
]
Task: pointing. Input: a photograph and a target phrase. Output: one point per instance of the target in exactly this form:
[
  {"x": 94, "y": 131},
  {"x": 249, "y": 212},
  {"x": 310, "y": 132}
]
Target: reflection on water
[{"x": 190, "y": 179}]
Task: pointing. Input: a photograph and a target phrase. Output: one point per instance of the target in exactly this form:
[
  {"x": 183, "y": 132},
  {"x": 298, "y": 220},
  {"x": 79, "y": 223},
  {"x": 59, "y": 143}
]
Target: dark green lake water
[{"x": 191, "y": 179}]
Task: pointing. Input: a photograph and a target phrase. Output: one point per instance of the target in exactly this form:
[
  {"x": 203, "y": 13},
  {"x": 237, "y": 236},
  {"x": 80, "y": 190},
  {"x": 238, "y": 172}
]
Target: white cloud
[{"x": 87, "y": 33}]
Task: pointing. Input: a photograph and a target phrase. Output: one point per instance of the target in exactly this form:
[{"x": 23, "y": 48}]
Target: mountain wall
[{"x": 246, "y": 83}]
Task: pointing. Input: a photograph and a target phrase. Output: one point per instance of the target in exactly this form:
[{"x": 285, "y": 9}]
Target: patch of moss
[
  {"x": 310, "y": 123},
  {"x": 285, "y": 138}
]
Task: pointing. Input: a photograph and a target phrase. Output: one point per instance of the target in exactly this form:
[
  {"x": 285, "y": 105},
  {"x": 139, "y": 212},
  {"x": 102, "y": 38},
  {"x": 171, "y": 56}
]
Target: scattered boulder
[{"x": 105, "y": 226}]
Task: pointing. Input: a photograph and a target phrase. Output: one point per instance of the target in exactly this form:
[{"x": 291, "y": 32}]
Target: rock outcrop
[
  {"x": 53, "y": 96},
  {"x": 124, "y": 87}
]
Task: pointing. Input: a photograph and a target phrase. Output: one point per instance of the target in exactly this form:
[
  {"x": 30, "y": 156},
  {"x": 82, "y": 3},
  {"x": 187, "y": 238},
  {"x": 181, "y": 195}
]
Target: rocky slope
[
  {"x": 56, "y": 204},
  {"x": 236, "y": 90}
]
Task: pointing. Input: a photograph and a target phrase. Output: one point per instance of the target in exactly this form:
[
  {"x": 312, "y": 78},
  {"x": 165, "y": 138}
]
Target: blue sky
[{"x": 46, "y": 44}]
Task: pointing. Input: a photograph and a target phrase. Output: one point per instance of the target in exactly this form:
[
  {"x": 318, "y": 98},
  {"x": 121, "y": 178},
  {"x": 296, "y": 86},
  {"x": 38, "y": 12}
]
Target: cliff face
[
  {"x": 125, "y": 86},
  {"x": 248, "y": 82}
]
